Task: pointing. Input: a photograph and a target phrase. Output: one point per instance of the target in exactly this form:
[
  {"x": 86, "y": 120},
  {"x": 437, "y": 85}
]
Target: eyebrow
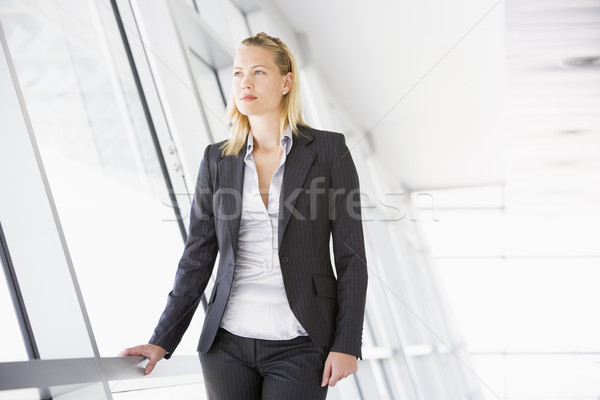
[{"x": 253, "y": 66}]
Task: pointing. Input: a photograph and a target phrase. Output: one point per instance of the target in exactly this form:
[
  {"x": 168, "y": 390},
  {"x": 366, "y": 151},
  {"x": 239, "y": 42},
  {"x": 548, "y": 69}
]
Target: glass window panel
[
  {"x": 403, "y": 280},
  {"x": 426, "y": 371},
  {"x": 453, "y": 386},
  {"x": 381, "y": 316},
  {"x": 399, "y": 377},
  {"x": 31, "y": 234},
  {"x": 211, "y": 97},
  {"x": 475, "y": 290},
  {"x": 225, "y": 78},
  {"x": 490, "y": 371},
  {"x": 456, "y": 376},
  {"x": 457, "y": 372},
  {"x": 425, "y": 292},
  {"x": 101, "y": 164},
  {"x": 213, "y": 13},
  {"x": 344, "y": 390},
  {"x": 389, "y": 288},
  {"x": 236, "y": 22}
]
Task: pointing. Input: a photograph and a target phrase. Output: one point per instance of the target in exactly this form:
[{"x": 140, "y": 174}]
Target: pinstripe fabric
[
  {"x": 239, "y": 368},
  {"x": 319, "y": 197}
]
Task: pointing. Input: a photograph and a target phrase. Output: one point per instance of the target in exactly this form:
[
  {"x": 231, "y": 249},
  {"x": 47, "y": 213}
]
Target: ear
[{"x": 287, "y": 82}]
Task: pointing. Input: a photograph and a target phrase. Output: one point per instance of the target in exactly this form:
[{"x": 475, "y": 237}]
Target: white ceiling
[
  {"x": 467, "y": 93},
  {"x": 425, "y": 79},
  {"x": 554, "y": 119}
]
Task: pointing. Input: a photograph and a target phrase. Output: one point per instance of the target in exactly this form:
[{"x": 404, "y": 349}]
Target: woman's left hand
[{"x": 337, "y": 367}]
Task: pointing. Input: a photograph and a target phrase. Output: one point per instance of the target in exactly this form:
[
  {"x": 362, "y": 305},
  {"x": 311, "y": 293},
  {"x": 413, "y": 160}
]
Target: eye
[
  {"x": 259, "y": 72},
  {"x": 237, "y": 73}
]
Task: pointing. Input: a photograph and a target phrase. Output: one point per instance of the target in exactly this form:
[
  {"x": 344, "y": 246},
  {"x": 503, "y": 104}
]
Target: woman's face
[{"x": 257, "y": 84}]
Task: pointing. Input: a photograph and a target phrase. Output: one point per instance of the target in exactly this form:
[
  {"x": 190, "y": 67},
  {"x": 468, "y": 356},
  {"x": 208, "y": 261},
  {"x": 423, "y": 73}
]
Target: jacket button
[{"x": 284, "y": 259}]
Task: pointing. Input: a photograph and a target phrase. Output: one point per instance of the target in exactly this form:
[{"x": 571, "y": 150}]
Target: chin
[
  {"x": 242, "y": 110},
  {"x": 248, "y": 111}
]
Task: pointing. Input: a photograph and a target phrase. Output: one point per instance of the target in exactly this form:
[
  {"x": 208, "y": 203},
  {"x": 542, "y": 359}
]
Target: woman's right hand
[{"x": 152, "y": 352}]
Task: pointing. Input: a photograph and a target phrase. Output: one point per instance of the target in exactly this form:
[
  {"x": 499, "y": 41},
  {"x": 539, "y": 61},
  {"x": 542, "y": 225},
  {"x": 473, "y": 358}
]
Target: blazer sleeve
[
  {"x": 349, "y": 252},
  {"x": 194, "y": 268}
]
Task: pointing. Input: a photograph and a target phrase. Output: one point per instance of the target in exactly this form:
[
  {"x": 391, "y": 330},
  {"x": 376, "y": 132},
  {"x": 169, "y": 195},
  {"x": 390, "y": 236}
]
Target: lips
[{"x": 248, "y": 98}]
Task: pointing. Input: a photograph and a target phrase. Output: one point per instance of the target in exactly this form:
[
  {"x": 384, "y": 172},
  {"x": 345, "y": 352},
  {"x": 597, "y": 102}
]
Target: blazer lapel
[
  {"x": 297, "y": 165},
  {"x": 231, "y": 176}
]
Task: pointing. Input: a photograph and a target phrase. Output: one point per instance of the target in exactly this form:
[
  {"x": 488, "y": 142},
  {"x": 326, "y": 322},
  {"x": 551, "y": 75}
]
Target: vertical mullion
[
  {"x": 19, "y": 306},
  {"x": 17, "y": 299}
]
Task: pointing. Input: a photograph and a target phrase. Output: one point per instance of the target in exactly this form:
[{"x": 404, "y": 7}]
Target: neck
[{"x": 265, "y": 132}]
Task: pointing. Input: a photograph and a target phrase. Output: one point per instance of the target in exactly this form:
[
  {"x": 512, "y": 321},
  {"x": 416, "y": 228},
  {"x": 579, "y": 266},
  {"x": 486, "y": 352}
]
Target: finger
[
  {"x": 132, "y": 351},
  {"x": 326, "y": 373},
  {"x": 334, "y": 379},
  {"x": 150, "y": 366}
]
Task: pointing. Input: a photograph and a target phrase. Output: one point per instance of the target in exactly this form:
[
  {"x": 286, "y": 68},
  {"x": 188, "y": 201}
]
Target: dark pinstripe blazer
[{"x": 319, "y": 196}]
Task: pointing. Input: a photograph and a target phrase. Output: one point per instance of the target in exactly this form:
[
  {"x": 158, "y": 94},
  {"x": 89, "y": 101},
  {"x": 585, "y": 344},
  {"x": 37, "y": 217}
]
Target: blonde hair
[{"x": 291, "y": 114}]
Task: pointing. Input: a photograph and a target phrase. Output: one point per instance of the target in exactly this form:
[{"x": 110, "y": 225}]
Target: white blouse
[{"x": 258, "y": 307}]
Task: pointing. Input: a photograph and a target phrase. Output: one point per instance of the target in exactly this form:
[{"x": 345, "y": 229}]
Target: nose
[{"x": 246, "y": 83}]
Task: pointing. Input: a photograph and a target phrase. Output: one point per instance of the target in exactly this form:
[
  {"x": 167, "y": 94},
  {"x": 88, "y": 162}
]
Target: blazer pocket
[{"x": 326, "y": 285}]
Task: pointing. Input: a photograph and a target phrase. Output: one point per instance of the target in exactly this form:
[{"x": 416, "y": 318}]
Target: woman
[{"x": 279, "y": 324}]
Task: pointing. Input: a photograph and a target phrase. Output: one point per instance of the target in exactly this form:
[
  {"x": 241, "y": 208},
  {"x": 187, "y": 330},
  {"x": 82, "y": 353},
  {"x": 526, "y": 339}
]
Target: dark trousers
[{"x": 239, "y": 368}]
